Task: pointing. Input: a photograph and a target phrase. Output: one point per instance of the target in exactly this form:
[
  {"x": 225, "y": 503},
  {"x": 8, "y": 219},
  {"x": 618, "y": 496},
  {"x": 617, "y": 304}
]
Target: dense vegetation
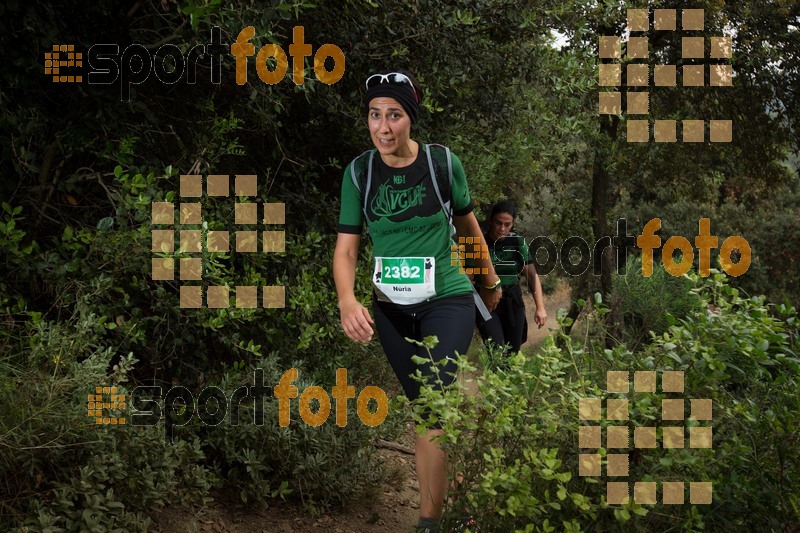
[
  {"x": 516, "y": 441},
  {"x": 81, "y": 167}
]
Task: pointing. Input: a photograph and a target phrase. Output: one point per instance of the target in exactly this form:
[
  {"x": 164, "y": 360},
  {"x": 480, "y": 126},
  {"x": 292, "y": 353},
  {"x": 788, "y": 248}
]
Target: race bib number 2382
[{"x": 405, "y": 280}]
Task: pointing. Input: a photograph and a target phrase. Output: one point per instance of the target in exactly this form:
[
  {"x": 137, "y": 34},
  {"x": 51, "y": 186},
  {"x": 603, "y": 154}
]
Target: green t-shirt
[
  {"x": 509, "y": 257},
  {"x": 405, "y": 218}
]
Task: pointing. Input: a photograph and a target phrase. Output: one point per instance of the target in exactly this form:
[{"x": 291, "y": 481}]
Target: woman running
[{"x": 403, "y": 192}]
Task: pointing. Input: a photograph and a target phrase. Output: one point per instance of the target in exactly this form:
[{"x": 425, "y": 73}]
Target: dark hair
[{"x": 506, "y": 206}]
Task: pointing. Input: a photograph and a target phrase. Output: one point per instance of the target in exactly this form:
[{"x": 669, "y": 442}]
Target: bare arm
[
  {"x": 354, "y": 316},
  {"x": 535, "y": 285},
  {"x": 467, "y": 226}
]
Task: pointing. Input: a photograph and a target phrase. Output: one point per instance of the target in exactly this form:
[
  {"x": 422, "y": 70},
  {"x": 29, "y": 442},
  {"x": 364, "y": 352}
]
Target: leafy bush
[
  {"x": 649, "y": 304},
  {"x": 324, "y": 466},
  {"x": 62, "y": 472},
  {"x": 109, "y": 310},
  {"x": 769, "y": 226},
  {"x": 507, "y": 443},
  {"x": 132, "y": 473},
  {"x": 743, "y": 354},
  {"x": 514, "y": 445}
]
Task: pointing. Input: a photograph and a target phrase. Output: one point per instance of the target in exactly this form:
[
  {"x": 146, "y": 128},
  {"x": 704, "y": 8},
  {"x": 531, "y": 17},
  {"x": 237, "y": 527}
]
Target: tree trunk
[{"x": 600, "y": 227}]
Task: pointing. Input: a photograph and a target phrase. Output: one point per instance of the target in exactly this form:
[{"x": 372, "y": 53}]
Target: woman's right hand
[
  {"x": 490, "y": 297},
  {"x": 356, "y": 321}
]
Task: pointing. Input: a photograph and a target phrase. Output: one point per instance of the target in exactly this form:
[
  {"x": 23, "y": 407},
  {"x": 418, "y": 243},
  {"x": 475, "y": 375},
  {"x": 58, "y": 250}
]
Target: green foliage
[
  {"x": 103, "y": 276},
  {"x": 506, "y": 444},
  {"x": 105, "y": 495},
  {"x": 769, "y": 226},
  {"x": 62, "y": 472},
  {"x": 513, "y": 445},
  {"x": 549, "y": 283},
  {"x": 649, "y": 304},
  {"x": 755, "y": 343},
  {"x": 113, "y": 313},
  {"x": 743, "y": 354},
  {"x": 325, "y": 466}
]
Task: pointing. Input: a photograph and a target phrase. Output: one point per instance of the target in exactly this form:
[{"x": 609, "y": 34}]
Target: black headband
[{"x": 402, "y": 92}]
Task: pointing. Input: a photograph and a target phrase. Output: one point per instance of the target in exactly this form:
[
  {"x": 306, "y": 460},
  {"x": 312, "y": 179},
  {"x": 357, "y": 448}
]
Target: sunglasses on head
[{"x": 392, "y": 77}]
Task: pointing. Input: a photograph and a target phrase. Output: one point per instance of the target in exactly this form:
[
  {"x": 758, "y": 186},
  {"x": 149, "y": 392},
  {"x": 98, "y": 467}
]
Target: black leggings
[
  {"x": 451, "y": 319},
  {"x": 508, "y": 325}
]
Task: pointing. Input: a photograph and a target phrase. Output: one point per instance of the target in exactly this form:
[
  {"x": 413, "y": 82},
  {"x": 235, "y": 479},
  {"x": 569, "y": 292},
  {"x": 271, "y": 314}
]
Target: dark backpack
[{"x": 440, "y": 164}]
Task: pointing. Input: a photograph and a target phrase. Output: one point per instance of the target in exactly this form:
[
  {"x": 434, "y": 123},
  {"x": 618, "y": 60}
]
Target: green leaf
[
  {"x": 622, "y": 515},
  {"x": 430, "y": 341},
  {"x": 105, "y": 224},
  {"x": 419, "y": 360}
]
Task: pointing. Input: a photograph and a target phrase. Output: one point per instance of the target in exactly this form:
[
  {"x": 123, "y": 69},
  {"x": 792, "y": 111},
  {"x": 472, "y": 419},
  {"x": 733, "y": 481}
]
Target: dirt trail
[{"x": 394, "y": 510}]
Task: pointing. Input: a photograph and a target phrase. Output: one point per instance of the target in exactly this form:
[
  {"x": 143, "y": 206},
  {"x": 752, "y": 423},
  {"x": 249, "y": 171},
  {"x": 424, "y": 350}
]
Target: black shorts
[{"x": 451, "y": 319}]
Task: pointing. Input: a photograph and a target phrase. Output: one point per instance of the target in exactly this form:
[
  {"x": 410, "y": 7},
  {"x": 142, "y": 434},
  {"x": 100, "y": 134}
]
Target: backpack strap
[
  {"x": 368, "y": 183},
  {"x": 447, "y": 206},
  {"x": 361, "y": 175}
]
